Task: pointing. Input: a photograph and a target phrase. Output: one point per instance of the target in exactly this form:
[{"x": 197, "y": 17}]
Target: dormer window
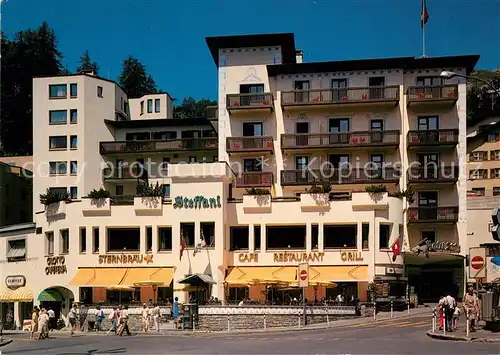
[
  {"x": 157, "y": 105},
  {"x": 150, "y": 106}
]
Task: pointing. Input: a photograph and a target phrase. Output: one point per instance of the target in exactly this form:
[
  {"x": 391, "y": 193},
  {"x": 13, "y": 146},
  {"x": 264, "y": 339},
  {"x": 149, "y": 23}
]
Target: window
[
  {"x": 314, "y": 236},
  {"x": 192, "y": 160},
  {"x": 157, "y": 105},
  {"x": 58, "y": 142},
  {"x": 428, "y": 123},
  {"x": 295, "y": 237},
  {"x": 478, "y": 191},
  {"x": 492, "y": 137},
  {"x": 238, "y": 238},
  {"x": 149, "y": 238},
  {"x": 256, "y": 237},
  {"x": 301, "y": 163},
  {"x": 252, "y": 165},
  {"x": 142, "y": 107},
  {"x": 165, "y": 135},
  {"x": 58, "y": 190},
  {"x": 339, "y": 161},
  {"x": 166, "y": 190},
  {"x": 73, "y": 192},
  {"x": 477, "y": 156},
  {"x": 95, "y": 237},
  {"x": 83, "y": 239},
  {"x": 119, "y": 190},
  {"x": 252, "y": 129},
  {"x": 165, "y": 163},
  {"x": 429, "y": 236},
  {"x": 73, "y": 168},
  {"x": 73, "y": 116},
  {"x": 207, "y": 230},
  {"x": 124, "y": 239},
  {"x": 57, "y": 91},
  {"x": 99, "y": 91},
  {"x": 73, "y": 90},
  {"x": 16, "y": 250},
  {"x": 495, "y": 173},
  {"x": 254, "y": 89},
  {"x": 73, "y": 142},
  {"x": 495, "y": 155},
  {"x": 478, "y": 174},
  {"x": 164, "y": 238},
  {"x": 58, "y": 168},
  {"x": 365, "y": 235},
  {"x": 58, "y": 117},
  {"x": 384, "y": 235},
  {"x": 340, "y": 236},
  {"x": 496, "y": 191},
  {"x": 65, "y": 241},
  {"x": 429, "y": 81},
  {"x": 302, "y": 85},
  {"x": 49, "y": 243},
  {"x": 187, "y": 232},
  {"x": 150, "y": 106},
  {"x": 339, "y": 89}
]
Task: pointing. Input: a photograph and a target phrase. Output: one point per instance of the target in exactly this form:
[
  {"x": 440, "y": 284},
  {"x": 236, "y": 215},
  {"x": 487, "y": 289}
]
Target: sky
[{"x": 169, "y": 36}]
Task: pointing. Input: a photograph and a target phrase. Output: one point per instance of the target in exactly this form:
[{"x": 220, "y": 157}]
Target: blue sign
[{"x": 496, "y": 260}]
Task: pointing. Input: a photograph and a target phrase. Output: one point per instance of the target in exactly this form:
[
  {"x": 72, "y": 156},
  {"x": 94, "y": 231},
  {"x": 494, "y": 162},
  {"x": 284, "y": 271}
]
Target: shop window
[
  {"x": 340, "y": 236},
  {"x": 256, "y": 237},
  {"x": 314, "y": 236},
  {"x": 164, "y": 294},
  {"x": 384, "y": 235},
  {"x": 496, "y": 191},
  {"x": 295, "y": 237},
  {"x": 64, "y": 241},
  {"x": 238, "y": 238},
  {"x": 95, "y": 237},
  {"x": 365, "y": 232},
  {"x": 86, "y": 295},
  {"x": 164, "y": 238},
  {"x": 16, "y": 250},
  {"x": 124, "y": 239},
  {"x": 187, "y": 232},
  {"x": 236, "y": 294},
  {"x": 207, "y": 230},
  {"x": 149, "y": 239},
  {"x": 49, "y": 240},
  {"x": 83, "y": 239}
]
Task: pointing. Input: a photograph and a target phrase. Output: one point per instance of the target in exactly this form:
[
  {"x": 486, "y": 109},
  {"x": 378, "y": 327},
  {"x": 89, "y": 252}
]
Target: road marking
[{"x": 396, "y": 324}]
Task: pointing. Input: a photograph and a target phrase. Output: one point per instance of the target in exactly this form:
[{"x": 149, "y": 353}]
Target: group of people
[
  {"x": 449, "y": 311},
  {"x": 42, "y": 321}
]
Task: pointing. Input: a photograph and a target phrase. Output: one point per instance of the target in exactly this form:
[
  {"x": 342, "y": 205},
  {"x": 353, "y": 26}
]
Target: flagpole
[{"x": 423, "y": 41}]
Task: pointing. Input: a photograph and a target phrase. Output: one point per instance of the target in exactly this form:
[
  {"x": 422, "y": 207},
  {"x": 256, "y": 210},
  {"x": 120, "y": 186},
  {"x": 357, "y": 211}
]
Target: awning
[
  {"x": 50, "y": 295},
  {"x": 83, "y": 277},
  {"x": 16, "y": 253},
  {"x": 163, "y": 275},
  {"x": 340, "y": 273},
  {"x": 195, "y": 279},
  {"x": 22, "y": 294},
  {"x": 248, "y": 275}
]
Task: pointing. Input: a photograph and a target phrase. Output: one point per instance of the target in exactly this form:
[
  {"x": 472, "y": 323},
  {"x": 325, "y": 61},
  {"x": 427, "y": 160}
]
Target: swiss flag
[{"x": 396, "y": 248}]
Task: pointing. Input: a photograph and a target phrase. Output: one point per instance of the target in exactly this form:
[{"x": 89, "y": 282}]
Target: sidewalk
[{"x": 480, "y": 335}]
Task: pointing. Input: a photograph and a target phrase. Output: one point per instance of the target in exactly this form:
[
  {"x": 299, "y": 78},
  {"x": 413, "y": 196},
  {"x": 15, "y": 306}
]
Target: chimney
[
  {"x": 299, "y": 56},
  {"x": 88, "y": 72}
]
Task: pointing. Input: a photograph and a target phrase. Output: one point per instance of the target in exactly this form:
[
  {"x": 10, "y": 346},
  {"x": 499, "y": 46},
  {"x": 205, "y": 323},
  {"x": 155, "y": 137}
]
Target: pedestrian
[
  {"x": 456, "y": 318},
  {"x": 124, "y": 321},
  {"x": 470, "y": 308},
  {"x": 449, "y": 308},
  {"x": 72, "y": 315},
  {"x": 43, "y": 324},
  {"x": 145, "y": 318},
  {"x": 52, "y": 319},
  {"x": 113, "y": 317},
  {"x": 175, "y": 312},
  {"x": 440, "y": 310},
  {"x": 156, "y": 317},
  {"x": 100, "y": 317},
  {"x": 10, "y": 320},
  {"x": 34, "y": 321}
]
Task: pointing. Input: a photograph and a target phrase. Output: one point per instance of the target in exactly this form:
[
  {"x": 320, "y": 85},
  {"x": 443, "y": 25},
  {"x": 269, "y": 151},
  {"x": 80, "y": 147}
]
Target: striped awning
[{"x": 22, "y": 294}]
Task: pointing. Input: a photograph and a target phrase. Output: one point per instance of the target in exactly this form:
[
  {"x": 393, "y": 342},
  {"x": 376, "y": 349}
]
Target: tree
[
  {"x": 29, "y": 54},
  {"x": 87, "y": 64},
  {"x": 190, "y": 108},
  {"x": 135, "y": 80},
  {"x": 481, "y": 103}
]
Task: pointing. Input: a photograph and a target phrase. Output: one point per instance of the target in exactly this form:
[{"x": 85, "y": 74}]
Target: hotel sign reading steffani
[
  {"x": 125, "y": 259},
  {"x": 197, "y": 202}
]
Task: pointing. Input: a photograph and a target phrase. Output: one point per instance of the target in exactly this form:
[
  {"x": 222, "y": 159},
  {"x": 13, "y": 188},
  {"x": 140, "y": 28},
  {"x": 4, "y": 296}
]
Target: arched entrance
[{"x": 59, "y": 298}]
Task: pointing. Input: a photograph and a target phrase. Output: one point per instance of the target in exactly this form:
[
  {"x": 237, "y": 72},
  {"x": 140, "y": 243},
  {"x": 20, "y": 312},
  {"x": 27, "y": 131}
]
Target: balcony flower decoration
[
  {"x": 325, "y": 188},
  {"x": 315, "y": 100},
  {"x": 373, "y": 189},
  {"x": 269, "y": 144},
  {"x": 257, "y": 192},
  {"x": 409, "y": 194},
  {"x": 98, "y": 194},
  {"x": 50, "y": 197}
]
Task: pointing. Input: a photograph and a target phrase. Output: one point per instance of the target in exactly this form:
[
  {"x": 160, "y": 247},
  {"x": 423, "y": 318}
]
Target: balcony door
[
  {"x": 376, "y": 128},
  {"x": 339, "y": 162},
  {"x": 301, "y": 164},
  {"x": 427, "y": 203},
  {"x": 251, "y": 129},
  {"x": 302, "y": 85},
  {"x": 191, "y": 141},
  {"x": 248, "y": 100},
  {"x": 428, "y": 127},
  {"x": 376, "y": 85},
  {"x": 429, "y": 164},
  {"x": 302, "y": 128},
  {"x": 376, "y": 167},
  {"x": 432, "y": 86},
  {"x": 339, "y": 130},
  {"x": 339, "y": 90}
]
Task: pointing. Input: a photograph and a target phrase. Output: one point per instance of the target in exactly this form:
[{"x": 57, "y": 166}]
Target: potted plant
[
  {"x": 149, "y": 196},
  {"x": 54, "y": 202},
  {"x": 317, "y": 196},
  {"x": 257, "y": 198},
  {"x": 97, "y": 200}
]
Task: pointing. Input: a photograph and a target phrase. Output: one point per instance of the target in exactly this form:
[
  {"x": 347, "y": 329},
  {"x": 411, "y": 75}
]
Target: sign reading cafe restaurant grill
[{"x": 197, "y": 202}]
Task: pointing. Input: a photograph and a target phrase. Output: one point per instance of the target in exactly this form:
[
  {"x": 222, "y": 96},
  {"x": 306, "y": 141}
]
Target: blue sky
[{"x": 169, "y": 36}]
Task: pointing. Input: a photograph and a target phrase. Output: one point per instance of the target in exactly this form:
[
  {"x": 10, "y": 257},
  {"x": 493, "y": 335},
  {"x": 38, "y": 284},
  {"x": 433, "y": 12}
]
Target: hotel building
[{"x": 282, "y": 125}]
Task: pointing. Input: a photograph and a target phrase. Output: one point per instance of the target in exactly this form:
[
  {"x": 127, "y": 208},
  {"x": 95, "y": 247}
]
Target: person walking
[
  {"x": 145, "y": 318},
  {"x": 34, "y": 321},
  {"x": 156, "y": 317},
  {"x": 113, "y": 317},
  {"x": 52, "y": 319},
  {"x": 100, "y": 317},
  {"x": 72, "y": 314},
  {"x": 10, "y": 320},
  {"x": 470, "y": 308},
  {"x": 449, "y": 309},
  {"x": 43, "y": 325},
  {"x": 440, "y": 310},
  {"x": 124, "y": 321},
  {"x": 175, "y": 312}
]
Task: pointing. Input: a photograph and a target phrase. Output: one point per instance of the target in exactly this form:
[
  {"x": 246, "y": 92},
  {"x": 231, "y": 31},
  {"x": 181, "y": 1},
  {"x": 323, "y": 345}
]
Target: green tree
[
  {"x": 28, "y": 54},
  {"x": 135, "y": 80},
  {"x": 190, "y": 108},
  {"x": 481, "y": 102},
  {"x": 87, "y": 64}
]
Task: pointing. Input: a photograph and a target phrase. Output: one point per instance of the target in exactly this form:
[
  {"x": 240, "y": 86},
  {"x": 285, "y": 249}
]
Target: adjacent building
[{"x": 15, "y": 194}]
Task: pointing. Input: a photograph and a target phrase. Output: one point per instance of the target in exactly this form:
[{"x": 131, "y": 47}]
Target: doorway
[
  {"x": 376, "y": 85},
  {"x": 302, "y": 128},
  {"x": 429, "y": 165},
  {"x": 339, "y": 130},
  {"x": 339, "y": 89},
  {"x": 376, "y": 128},
  {"x": 427, "y": 205},
  {"x": 302, "y": 88}
]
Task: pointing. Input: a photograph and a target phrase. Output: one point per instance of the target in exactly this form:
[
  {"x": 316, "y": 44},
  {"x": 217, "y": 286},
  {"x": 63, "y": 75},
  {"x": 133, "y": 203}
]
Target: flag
[
  {"x": 396, "y": 248},
  {"x": 424, "y": 17},
  {"x": 200, "y": 245},
  {"x": 183, "y": 247}
]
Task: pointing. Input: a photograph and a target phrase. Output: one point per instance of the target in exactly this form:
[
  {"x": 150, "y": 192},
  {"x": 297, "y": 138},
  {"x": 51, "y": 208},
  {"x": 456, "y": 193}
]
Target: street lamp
[{"x": 450, "y": 74}]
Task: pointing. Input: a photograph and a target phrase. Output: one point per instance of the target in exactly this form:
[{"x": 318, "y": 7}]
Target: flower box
[
  {"x": 148, "y": 204},
  {"x": 374, "y": 201},
  {"x": 318, "y": 201},
  {"x": 96, "y": 206},
  {"x": 55, "y": 209},
  {"x": 259, "y": 203}
]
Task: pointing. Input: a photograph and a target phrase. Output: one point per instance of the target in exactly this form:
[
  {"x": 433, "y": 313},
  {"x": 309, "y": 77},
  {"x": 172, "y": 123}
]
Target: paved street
[{"x": 399, "y": 336}]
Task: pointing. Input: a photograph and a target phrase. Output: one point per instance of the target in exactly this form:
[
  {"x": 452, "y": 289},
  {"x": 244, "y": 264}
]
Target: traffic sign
[
  {"x": 303, "y": 275},
  {"x": 477, "y": 264}
]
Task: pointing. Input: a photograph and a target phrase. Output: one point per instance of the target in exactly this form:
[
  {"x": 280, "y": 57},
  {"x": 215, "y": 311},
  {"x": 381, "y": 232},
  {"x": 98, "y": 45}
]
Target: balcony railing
[
  {"x": 250, "y": 101},
  {"x": 433, "y": 174},
  {"x": 336, "y": 140},
  {"x": 122, "y": 200},
  {"x": 249, "y": 144},
  {"x": 207, "y": 143},
  {"x": 254, "y": 179},
  {"x": 339, "y": 176},
  {"x": 125, "y": 173},
  {"x": 433, "y": 214},
  {"x": 433, "y": 93},
  {"x": 438, "y": 137},
  {"x": 340, "y": 96}
]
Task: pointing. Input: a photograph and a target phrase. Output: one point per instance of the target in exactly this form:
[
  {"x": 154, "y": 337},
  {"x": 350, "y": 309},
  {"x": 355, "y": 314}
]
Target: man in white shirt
[
  {"x": 145, "y": 318},
  {"x": 52, "y": 319},
  {"x": 449, "y": 308}
]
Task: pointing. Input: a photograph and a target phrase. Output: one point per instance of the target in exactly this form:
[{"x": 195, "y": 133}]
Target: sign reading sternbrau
[
  {"x": 125, "y": 259},
  {"x": 197, "y": 202}
]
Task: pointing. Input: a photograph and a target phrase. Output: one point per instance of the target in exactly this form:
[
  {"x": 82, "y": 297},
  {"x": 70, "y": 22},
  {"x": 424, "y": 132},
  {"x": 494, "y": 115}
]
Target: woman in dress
[
  {"x": 34, "y": 322},
  {"x": 43, "y": 324}
]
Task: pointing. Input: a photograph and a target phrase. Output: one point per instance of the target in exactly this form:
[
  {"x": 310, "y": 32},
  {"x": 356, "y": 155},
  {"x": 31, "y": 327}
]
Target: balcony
[
  {"x": 345, "y": 96},
  {"x": 433, "y": 214},
  {"x": 431, "y": 174},
  {"x": 253, "y": 179},
  {"x": 428, "y": 95},
  {"x": 433, "y": 138},
  {"x": 132, "y": 173},
  {"x": 249, "y": 102},
  {"x": 339, "y": 176},
  {"x": 173, "y": 145},
  {"x": 249, "y": 145},
  {"x": 340, "y": 140},
  {"x": 122, "y": 200}
]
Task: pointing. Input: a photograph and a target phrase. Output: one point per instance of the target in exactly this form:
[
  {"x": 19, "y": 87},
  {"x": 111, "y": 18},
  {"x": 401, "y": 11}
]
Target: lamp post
[{"x": 450, "y": 74}]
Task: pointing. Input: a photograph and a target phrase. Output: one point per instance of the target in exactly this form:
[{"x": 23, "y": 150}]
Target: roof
[
  {"x": 81, "y": 74},
  {"x": 464, "y": 61},
  {"x": 17, "y": 227},
  {"x": 483, "y": 126},
  {"x": 164, "y": 122},
  {"x": 196, "y": 278},
  {"x": 285, "y": 40}
]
